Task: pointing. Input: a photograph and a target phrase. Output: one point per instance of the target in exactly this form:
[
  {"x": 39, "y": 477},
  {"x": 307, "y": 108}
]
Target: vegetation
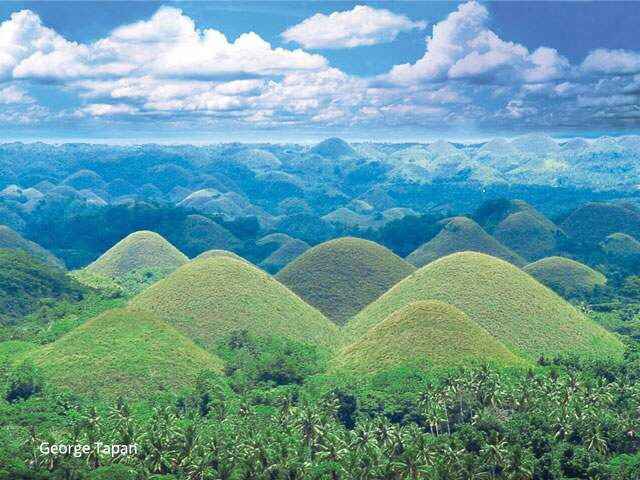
[
  {"x": 436, "y": 333},
  {"x": 342, "y": 276},
  {"x": 566, "y": 277},
  {"x": 284, "y": 255},
  {"x": 462, "y": 234},
  {"x": 216, "y": 253},
  {"x": 592, "y": 223},
  {"x": 208, "y": 299},
  {"x": 621, "y": 248},
  {"x": 10, "y": 239},
  {"x": 528, "y": 318}
]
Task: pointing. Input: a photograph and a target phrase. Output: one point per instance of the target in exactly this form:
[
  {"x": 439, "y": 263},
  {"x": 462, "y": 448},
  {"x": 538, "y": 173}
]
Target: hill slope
[
  {"x": 593, "y": 222},
  {"x": 527, "y": 317},
  {"x": 433, "y": 331},
  {"x": 530, "y": 235},
  {"x": 461, "y": 234},
  {"x": 123, "y": 352},
  {"x": 141, "y": 249},
  {"x": 565, "y": 276},
  {"x": 284, "y": 255},
  {"x": 342, "y": 276},
  {"x": 622, "y": 247},
  {"x": 209, "y": 298},
  {"x": 9, "y": 238}
]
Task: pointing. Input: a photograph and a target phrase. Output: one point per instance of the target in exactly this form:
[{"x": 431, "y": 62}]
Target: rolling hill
[
  {"x": 142, "y": 249},
  {"x": 284, "y": 255},
  {"x": 529, "y": 234},
  {"x": 461, "y": 234},
  {"x": 439, "y": 334},
  {"x": 566, "y": 277},
  {"x": 209, "y": 298},
  {"x": 342, "y": 276},
  {"x": 621, "y": 247},
  {"x": 9, "y": 238},
  {"x": 123, "y": 353},
  {"x": 527, "y": 317},
  {"x": 592, "y": 223}
]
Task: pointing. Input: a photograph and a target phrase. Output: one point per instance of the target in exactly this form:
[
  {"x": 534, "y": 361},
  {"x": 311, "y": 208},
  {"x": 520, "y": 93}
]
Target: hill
[
  {"x": 566, "y": 277},
  {"x": 209, "y": 298},
  {"x": 25, "y": 282},
  {"x": 284, "y": 255},
  {"x": 219, "y": 253},
  {"x": 527, "y": 317},
  {"x": 123, "y": 353},
  {"x": 462, "y": 234},
  {"x": 593, "y": 222},
  {"x": 342, "y": 276},
  {"x": 9, "y": 238},
  {"x": 528, "y": 234},
  {"x": 622, "y": 247},
  {"x": 439, "y": 334},
  {"x": 199, "y": 234},
  {"x": 334, "y": 148},
  {"x": 141, "y": 249}
]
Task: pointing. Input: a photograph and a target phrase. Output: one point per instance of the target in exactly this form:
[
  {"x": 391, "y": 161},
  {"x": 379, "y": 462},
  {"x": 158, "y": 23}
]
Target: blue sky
[{"x": 280, "y": 71}]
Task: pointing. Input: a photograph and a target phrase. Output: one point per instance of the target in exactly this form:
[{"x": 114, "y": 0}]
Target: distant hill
[
  {"x": 529, "y": 234},
  {"x": 621, "y": 247},
  {"x": 528, "y": 318},
  {"x": 200, "y": 233},
  {"x": 284, "y": 255},
  {"x": 123, "y": 353},
  {"x": 434, "y": 332},
  {"x": 462, "y": 234},
  {"x": 219, "y": 253},
  {"x": 141, "y": 249},
  {"x": 209, "y": 298},
  {"x": 25, "y": 282},
  {"x": 566, "y": 277},
  {"x": 590, "y": 224},
  {"x": 334, "y": 148},
  {"x": 9, "y": 238},
  {"x": 342, "y": 276}
]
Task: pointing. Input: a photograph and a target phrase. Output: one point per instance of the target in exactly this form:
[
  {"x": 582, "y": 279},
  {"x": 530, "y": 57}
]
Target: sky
[{"x": 198, "y": 72}]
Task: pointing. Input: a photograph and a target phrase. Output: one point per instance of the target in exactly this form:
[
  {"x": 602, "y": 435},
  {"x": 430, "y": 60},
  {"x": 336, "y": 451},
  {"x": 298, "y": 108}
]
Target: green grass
[
  {"x": 217, "y": 253},
  {"x": 342, "y": 276},
  {"x": 621, "y": 246},
  {"x": 11, "y": 349},
  {"x": 210, "y": 298},
  {"x": 284, "y": 255},
  {"x": 527, "y": 317},
  {"x": 528, "y": 234},
  {"x": 141, "y": 249},
  {"x": 461, "y": 234},
  {"x": 11, "y": 239},
  {"x": 593, "y": 222},
  {"x": 200, "y": 233},
  {"x": 122, "y": 353},
  {"x": 566, "y": 277},
  {"x": 433, "y": 331},
  {"x": 103, "y": 284}
]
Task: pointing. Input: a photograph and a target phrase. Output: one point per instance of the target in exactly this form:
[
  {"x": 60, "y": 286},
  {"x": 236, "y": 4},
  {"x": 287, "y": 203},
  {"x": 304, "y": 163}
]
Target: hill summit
[
  {"x": 334, "y": 148},
  {"x": 142, "y": 249},
  {"x": 565, "y": 276},
  {"x": 340, "y": 277}
]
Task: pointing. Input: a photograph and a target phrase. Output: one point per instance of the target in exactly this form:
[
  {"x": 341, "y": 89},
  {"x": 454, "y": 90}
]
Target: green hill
[
  {"x": 25, "y": 282},
  {"x": 209, "y": 298},
  {"x": 529, "y": 235},
  {"x": 622, "y": 247},
  {"x": 219, "y": 253},
  {"x": 432, "y": 331},
  {"x": 284, "y": 255},
  {"x": 342, "y": 276},
  {"x": 527, "y": 317},
  {"x": 11, "y": 239},
  {"x": 334, "y": 148},
  {"x": 566, "y": 277},
  {"x": 593, "y": 222},
  {"x": 199, "y": 233},
  {"x": 141, "y": 249},
  {"x": 461, "y": 234},
  {"x": 123, "y": 353}
]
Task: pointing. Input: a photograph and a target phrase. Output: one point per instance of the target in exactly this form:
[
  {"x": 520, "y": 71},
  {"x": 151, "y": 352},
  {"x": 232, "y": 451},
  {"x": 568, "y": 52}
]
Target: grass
[
  {"x": 462, "y": 234},
  {"x": 122, "y": 353},
  {"x": 527, "y": 317},
  {"x": 200, "y": 233},
  {"x": 593, "y": 222},
  {"x": 219, "y": 253},
  {"x": 284, "y": 255},
  {"x": 141, "y": 249},
  {"x": 621, "y": 246},
  {"x": 529, "y": 235},
  {"x": 11, "y": 239},
  {"x": 342, "y": 276},
  {"x": 210, "y": 298},
  {"x": 566, "y": 277},
  {"x": 433, "y": 331},
  {"x": 11, "y": 349}
]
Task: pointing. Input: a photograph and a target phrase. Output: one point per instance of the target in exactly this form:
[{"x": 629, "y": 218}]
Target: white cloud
[
  {"x": 14, "y": 95},
  {"x": 360, "y": 26},
  {"x": 106, "y": 110},
  {"x": 612, "y": 62}
]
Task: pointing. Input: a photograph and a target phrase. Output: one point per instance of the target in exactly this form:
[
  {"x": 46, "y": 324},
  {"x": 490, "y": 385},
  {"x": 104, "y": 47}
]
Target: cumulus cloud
[
  {"x": 360, "y": 26},
  {"x": 105, "y": 110},
  {"x": 612, "y": 62},
  {"x": 14, "y": 95}
]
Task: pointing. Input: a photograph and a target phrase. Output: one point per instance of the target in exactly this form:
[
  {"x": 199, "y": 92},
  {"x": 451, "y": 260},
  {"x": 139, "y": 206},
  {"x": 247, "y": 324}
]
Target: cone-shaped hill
[
  {"x": 593, "y": 222},
  {"x": 529, "y": 234},
  {"x": 284, "y": 255},
  {"x": 461, "y": 234},
  {"x": 431, "y": 331},
  {"x": 527, "y": 317},
  {"x": 219, "y": 253},
  {"x": 141, "y": 249},
  {"x": 212, "y": 297},
  {"x": 621, "y": 247},
  {"x": 566, "y": 277},
  {"x": 9, "y": 238},
  {"x": 123, "y": 353},
  {"x": 342, "y": 276}
]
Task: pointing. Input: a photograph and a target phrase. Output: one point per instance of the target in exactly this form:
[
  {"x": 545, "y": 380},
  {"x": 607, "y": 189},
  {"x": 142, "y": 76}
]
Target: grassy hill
[
  {"x": 432, "y": 331},
  {"x": 284, "y": 255},
  {"x": 199, "y": 233},
  {"x": 592, "y": 223},
  {"x": 141, "y": 249},
  {"x": 621, "y": 246},
  {"x": 11, "y": 239},
  {"x": 566, "y": 277},
  {"x": 209, "y": 298},
  {"x": 11, "y": 349},
  {"x": 528, "y": 234},
  {"x": 342, "y": 276},
  {"x": 25, "y": 283},
  {"x": 122, "y": 352},
  {"x": 527, "y": 317},
  {"x": 461, "y": 234},
  {"x": 219, "y": 253}
]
